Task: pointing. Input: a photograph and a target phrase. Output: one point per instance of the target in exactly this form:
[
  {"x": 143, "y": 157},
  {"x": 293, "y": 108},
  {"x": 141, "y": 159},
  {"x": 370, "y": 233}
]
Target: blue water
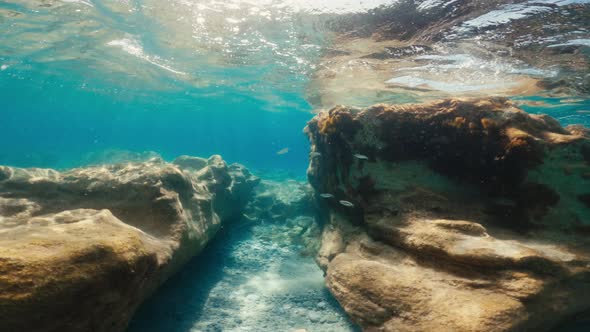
[
  {"x": 85, "y": 82},
  {"x": 78, "y": 78},
  {"x": 81, "y": 81},
  {"x": 59, "y": 126},
  {"x": 568, "y": 111}
]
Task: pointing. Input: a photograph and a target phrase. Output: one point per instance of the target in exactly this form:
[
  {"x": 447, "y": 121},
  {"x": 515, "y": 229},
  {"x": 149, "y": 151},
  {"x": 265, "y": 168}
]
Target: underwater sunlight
[{"x": 294, "y": 165}]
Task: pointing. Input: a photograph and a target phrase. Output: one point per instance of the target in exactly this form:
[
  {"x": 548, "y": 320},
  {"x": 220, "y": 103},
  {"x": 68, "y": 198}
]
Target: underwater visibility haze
[
  {"x": 294, "y": 165},
  {"x": 173, "y": 77}
]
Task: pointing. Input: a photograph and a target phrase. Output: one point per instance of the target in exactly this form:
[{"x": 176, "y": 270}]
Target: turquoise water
[
  {"x": 85, "y": 82},
  {"x": 98, "y": 82},
  {"x": 568, "y": 111},
  {"x": 80, "y": 79},
  {"x": 59, "y": 126}
]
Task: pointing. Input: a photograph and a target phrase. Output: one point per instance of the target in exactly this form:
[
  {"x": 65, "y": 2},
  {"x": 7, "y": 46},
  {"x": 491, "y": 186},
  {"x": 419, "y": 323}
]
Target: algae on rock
[{"x": 468, "y": 215}]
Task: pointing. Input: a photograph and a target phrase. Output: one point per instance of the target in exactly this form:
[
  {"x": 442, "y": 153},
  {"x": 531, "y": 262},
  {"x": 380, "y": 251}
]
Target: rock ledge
[
  {"x": 80, "y": 250},
  {"x": 469, "y": 215}
]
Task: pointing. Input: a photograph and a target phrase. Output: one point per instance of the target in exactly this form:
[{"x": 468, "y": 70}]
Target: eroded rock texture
[
  {"x": 280, "y": 200},
  {"x": 469, "y": 215},
  {"x": 80, "y": 250}
]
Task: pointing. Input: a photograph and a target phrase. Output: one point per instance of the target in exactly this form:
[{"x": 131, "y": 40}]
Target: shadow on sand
[{"x": 207, "y": 294}]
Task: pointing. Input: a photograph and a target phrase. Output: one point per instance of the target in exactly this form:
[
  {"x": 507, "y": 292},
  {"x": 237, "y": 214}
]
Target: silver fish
[
  {"x": 315, "y": 154},
  {"x": 346, "y": 203},
  {"x": 282, "y": 151},
  {"x": 361, "y": 156},
  {"x": 326, "y": 195}
]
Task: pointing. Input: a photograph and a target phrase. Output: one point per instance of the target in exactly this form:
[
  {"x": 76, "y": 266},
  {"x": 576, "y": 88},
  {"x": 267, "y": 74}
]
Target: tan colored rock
[
  {"x": 80, "y": 250},
  {"x": 196, "y": 163},
  {"x": 469, "y": 215}
]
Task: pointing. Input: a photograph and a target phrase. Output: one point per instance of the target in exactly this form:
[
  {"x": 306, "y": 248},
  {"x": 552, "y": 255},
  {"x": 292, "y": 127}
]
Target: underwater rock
[
  {"x": 196, "y": 163},
  {"x": 287, "y": 207},
  {"x": 81, "y": 249},
  {"x": 234, "y": 185},
  {"x": 280, "y": 200},
  {"x": 4, "y": 173},
  {"x": 469, "y": 215}
]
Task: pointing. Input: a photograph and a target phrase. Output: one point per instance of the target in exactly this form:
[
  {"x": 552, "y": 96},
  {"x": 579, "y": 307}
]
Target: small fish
[
  {"x": 326, "y": 195},
  {"x": 361, "y": 156},
  {"x": 346, "y": 203},
  {"x": 315, "y": 154},
  {"x": 283, "y": 151}
]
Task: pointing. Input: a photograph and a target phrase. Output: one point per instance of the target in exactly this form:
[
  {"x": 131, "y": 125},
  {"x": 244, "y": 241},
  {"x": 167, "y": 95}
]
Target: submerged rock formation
[
  {"x": 280, "y": 200},
  {"x": 80, "y": 250},
  {"x": 287, "y": 208},
  {"x": 467, "y": 215}
]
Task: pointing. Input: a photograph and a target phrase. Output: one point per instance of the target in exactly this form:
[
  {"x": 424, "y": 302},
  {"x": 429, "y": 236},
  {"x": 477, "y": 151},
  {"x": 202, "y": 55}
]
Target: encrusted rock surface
[
  {"x": 280, "y": 200},
  {"x": 287, "y": 207},
  {"x": 80, "y": 250},
  {"x": 469, "y": 215}
]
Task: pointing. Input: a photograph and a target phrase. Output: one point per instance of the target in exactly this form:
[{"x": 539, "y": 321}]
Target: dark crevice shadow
[
  {"x": 578, "y": 323},
  {"x": 180, "y": 300},
  {"x": 188, "y": 297}
]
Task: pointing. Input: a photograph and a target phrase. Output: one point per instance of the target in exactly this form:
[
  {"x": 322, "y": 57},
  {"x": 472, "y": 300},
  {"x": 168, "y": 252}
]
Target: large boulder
[
  {"x": 458, "y": 215},
  {"x": 80, "y": 250}
]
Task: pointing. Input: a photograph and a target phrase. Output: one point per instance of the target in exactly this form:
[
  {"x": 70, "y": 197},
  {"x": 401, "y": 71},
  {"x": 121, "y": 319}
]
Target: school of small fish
[
  {"x": 342, "y": 202},
  {"x": 328, "y": 195}
]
